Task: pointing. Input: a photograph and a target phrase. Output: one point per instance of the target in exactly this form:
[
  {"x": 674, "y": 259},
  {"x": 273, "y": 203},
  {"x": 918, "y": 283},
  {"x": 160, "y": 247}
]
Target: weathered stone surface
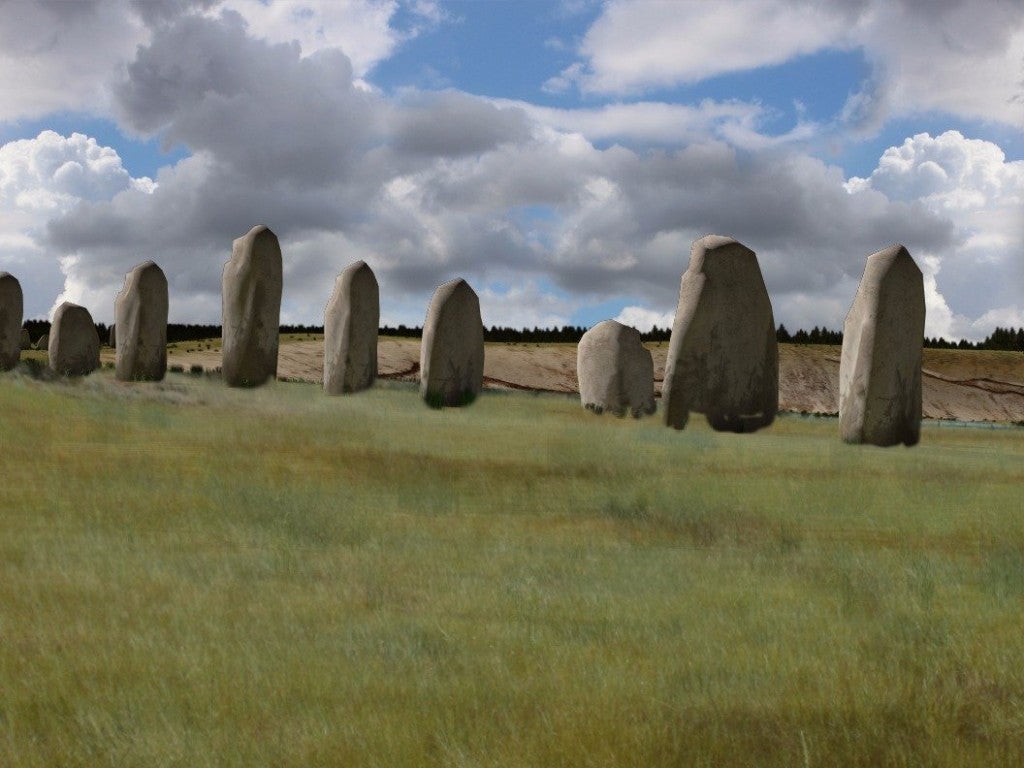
[
  {"x": 880, "y": 366},
  {"x": 251, "y": 291},
  {"x": 140, "y": 326},
  {"x": 615, "y": 371},
  {"x": 112, "y": 336},
  {"x": 351, "y": 321},
  {"x": 74, "y": 344},
  {"x": 11, "y": 309},
  {"x": 452, "y": 350},
  {"x": 723, "y": 359},
  {"x": 43, "y": 342},
  {"x": 26, "y": 340}
]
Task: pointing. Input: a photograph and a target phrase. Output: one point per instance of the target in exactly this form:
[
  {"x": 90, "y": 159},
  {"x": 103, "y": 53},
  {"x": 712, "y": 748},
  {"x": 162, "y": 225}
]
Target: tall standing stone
[
  {"x": 140, "y": 325},
  {"x": 615, "y": 370},
  {"x": 880, "y": 366},
  {"x": 112, "y": 336},
  {"x": 12, "y": 306},
  {"x": 26, "y": 340},
  {"x": 452, "y": 350},
  {"x": 251, "y": 290},
  {"x": 351, "y": 321},
  {"x": 74, "y": 344},
  {"x": 43, "y": 342},
  {"x": 723, "y": 358}
]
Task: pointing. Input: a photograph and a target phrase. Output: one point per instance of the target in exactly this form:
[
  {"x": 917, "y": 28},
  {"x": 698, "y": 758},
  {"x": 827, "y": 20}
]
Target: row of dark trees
[{"x": 1007, "y": 339}]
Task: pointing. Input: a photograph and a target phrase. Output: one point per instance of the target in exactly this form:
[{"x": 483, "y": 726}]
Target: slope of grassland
[
  {"x": 198, "y": 576},
  {"x": 967, "y": 385}
]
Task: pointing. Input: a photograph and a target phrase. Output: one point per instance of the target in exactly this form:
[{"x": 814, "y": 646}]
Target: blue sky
[{"x": 561, "y": 156}]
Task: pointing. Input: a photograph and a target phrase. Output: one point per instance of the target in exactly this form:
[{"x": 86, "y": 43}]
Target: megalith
[
  {"x": 43, "y": 342},
  {"x": 12, "y": 307},
  {"x": 452, "y": 350},
  {"x": 140, "y": 325},
  {"x": 615, "y": 370},
  {"x": 351, "y": 320},
  {"x": 880, "y": 365},
  {"x": 723, "y": 359},
  {"x": 112, "y": 336},
  {"x": 73, "y": 344},
  {"x": 251, "y": 318},
  {"x": 26, "y": 340}
]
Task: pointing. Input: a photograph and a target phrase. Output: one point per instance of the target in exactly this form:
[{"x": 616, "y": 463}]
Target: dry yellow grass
[{"x": 193, "y": 575}]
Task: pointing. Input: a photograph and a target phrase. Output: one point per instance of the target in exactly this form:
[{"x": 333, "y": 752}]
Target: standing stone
[
  {"x": 11, "y": 308},
  {"x": 350, "y": 331},
  {"x": 723, "y": 359},
  {"x": 140, "y": 324},
  {"x": 43, "y": 342},
  {"x": 74, "y": 344},
  {"x": 880, "y": 366},
  {"x": 251, "y": 290},
  {"x": 615, "y": 371},
  {"x": 452, "y": 351},
  {"x": 26, "y": 340},
  {"x": 112, "y": 336}
]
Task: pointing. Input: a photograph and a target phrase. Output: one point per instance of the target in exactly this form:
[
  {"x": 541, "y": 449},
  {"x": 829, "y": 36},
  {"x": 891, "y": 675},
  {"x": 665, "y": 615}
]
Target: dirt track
[{"x": 958, "y": 384}]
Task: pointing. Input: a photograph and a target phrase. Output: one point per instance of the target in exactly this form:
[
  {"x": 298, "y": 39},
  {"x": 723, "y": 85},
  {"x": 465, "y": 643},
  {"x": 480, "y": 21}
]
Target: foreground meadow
[{"x": 196, "y": 576}]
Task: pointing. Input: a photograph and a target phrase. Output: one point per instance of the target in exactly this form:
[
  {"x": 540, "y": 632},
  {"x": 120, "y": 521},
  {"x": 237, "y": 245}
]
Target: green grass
[{"x": 198, "y": 576}]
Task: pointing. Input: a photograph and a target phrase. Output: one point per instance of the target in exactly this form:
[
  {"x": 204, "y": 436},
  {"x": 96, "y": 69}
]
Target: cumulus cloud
[
  {"x": 962, "y": 57},
  {"x": 644, "y": 319},
  {"x": 970, "y": 183},
  {"x": 538, "y": 208},
  {"x": 59, "y": 55},
  {"x": 42, "y": 179}
]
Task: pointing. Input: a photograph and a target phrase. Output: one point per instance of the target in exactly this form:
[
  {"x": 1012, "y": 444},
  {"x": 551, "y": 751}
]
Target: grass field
[{"x": 197, "y": 576}]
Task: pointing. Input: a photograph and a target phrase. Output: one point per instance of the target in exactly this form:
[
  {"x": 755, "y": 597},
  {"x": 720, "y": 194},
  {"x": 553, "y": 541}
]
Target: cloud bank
[{"x": 545, "y": 211}]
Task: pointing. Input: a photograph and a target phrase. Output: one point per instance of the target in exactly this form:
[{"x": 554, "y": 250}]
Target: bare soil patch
[{"x": 966, "y": 385}]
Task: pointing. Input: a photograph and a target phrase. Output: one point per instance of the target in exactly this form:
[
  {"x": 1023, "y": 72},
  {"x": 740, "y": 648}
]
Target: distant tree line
[
  {"x": 1005, "y": 339},
  {"x": 815, "y": 336}
]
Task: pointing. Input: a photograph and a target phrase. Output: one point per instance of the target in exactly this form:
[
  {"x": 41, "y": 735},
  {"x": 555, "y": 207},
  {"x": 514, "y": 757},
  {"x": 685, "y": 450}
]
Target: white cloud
[
  {"x": 519, "y": 200},
  {"x": 962, "y": 57},
  {"x": 650, "y": 122},
  {"x": 970, "y": 183},
  {"x": 360, "y": 28},
  {"x": 638, "y": 46},
  {"x": 41, "y": 179},
  {"x": 525, "y": 305},
  {"x": 59, "y": 55},
  {"x": 644, "y": 319}
]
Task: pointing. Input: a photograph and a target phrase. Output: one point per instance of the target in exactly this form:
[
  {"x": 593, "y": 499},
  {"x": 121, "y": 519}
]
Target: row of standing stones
[{"x": 722, "y": 358}]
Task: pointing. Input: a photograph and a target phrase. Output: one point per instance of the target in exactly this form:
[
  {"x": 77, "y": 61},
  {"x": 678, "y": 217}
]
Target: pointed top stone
[{"x": 251, "y": 291}]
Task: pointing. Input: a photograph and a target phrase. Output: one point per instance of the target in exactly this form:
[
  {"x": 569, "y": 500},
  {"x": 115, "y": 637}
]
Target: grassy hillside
[{"x": 197, "y": 576}]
